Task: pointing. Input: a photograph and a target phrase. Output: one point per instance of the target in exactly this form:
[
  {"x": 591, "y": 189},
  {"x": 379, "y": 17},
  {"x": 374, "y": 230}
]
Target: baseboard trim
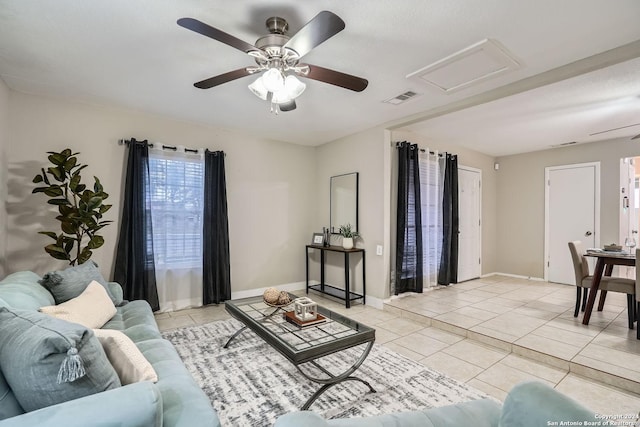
[
  {"x": 289, "y": 287},
  {"x": 297, "y": 286},
  {"x": 517, "y": 276}
]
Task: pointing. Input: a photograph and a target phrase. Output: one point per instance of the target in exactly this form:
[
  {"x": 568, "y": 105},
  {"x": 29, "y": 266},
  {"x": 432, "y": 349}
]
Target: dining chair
[{"x": 607, "y": 283}]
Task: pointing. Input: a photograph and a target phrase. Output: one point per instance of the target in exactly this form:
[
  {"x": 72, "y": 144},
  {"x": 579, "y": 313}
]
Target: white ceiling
[{"x": 133, "y": 54}]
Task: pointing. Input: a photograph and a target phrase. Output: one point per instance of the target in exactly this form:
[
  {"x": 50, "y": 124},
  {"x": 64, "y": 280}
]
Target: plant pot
[{"x": 347, "y": 242}]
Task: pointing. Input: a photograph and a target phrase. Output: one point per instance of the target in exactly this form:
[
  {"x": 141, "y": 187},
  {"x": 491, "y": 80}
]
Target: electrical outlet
[{"x": 379, "y": 250}]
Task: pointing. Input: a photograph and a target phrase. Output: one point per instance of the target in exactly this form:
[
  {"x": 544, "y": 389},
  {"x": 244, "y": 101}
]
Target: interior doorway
[
  {"x": 469, "y": 237},
  {"x": 629, "y": 204},
  {"x": 572, "y": 212}
]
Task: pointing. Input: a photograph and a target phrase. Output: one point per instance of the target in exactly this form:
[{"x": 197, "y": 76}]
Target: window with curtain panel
[
  {"x": 177, "y": 200},
  {"x": 176, "y": 179},
  {"x": 431, "y": 166}
]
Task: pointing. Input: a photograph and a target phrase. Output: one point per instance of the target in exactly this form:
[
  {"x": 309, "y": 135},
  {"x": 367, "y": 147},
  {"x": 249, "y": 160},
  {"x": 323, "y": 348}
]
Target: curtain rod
[
  {"x": 422, "y": 150},
  {"x": 164, "y": 147}
]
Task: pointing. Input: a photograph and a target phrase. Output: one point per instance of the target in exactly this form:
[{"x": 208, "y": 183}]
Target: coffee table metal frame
[{"x": 304, "y": 346}]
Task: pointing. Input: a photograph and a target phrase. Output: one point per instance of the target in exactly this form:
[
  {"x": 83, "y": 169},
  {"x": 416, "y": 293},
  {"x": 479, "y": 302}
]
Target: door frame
[
  {"x": 596, "y": 216},
  {"x": 479, "y": 171}
]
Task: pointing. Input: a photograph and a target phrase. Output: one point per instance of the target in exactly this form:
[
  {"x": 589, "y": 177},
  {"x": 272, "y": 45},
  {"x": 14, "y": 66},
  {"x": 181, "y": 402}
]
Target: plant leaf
[
  {"x": 73, "y": 183},
  {"x": 77, "y": 171},
  {"x": 70, "y": 163},
  {"x": 45, "y": 177},
  {"x": 37, "y": 179},
  {"x": 97, "y": 187},
  {"x": 67, "y": 152},
  {"x": 53, "y": 191},
  {"x": 56, "y": 251},
  {"x": 68, "y": 227},
  {"x": 84, "y": 256},
  {"x": 51, "y": 234},
  {"x": 58, "y": 201},
  {"x": 57, "y": 158},
  {"x": 95, "y": 242},
  {"x": 57, "y": 174}
]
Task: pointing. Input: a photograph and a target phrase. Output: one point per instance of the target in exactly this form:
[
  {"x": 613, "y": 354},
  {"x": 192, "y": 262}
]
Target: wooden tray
[{"x": 290, "y": 316}]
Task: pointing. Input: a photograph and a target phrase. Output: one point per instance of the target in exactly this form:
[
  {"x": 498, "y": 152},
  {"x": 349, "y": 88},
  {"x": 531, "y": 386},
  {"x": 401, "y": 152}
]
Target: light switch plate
[{"x": 379, "y": 250}]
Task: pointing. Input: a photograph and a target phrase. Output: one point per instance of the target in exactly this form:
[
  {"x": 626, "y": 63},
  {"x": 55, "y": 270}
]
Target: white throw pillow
[
  {"x": 92, "y": 308},
  {"x": 129, "y": 363}
]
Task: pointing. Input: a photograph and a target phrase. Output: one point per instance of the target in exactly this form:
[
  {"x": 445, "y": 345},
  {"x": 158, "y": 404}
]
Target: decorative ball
[
  {"x": 271, "y": 295},
  {"x": 284, "y": 298}
]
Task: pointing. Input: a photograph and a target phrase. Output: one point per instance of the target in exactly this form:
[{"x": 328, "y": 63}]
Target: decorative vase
[{"x": 347, "y": 242}]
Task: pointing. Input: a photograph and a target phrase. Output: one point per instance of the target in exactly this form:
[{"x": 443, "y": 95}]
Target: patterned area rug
[{"x": 251, "y": 384}]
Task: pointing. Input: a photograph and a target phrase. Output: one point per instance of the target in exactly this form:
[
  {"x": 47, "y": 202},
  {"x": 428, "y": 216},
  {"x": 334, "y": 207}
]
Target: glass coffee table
[{"x": 304, "y": 346}]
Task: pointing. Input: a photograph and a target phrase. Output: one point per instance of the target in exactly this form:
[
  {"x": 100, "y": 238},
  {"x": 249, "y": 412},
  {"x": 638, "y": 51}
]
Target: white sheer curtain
[
  {"x": 177, "y": 202},
  {"x": 431, "y": 166}
]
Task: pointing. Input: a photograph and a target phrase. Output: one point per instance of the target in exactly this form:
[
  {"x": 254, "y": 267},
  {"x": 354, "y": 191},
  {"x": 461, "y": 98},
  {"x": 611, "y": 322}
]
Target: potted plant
[
  {"x": 80, "y": 209},
  {"x": 348, "y": 235}
]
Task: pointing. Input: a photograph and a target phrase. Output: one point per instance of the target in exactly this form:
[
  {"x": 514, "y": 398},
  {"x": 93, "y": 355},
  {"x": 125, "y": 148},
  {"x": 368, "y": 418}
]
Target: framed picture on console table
[{"x": 317, "y": 239}]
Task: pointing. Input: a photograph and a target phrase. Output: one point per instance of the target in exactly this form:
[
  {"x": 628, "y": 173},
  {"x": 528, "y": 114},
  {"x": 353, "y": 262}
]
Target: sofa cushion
[
  {"x": 183, "y": 401},
  {"x": 136, "y": 320},
  {"x": 70, "y": 282},
  {"x": 9, "y": 406},
  {"x": 532, "y": 403},
  {"x": 92, "y": 308},
  {"x": 47, "y": 360},
  {"x": 22, "y": 290},
  {"x": 126, "y": 359}
]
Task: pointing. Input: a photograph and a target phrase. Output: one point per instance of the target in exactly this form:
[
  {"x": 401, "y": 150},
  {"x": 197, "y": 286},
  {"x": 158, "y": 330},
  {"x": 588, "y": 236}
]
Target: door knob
[{"x": 588, "y": 233}]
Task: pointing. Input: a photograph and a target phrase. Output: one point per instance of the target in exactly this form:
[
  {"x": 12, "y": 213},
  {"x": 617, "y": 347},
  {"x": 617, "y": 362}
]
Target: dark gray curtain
[
  {"x": 448, "y": 272},
  {"x": 216, "y": 262},
  {"x": 408, "y": 272},
  {"x": 134, "y": 268}
]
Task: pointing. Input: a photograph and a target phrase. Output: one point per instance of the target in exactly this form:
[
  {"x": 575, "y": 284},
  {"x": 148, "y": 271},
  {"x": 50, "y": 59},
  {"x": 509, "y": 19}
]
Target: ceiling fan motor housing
[{"x": 277, "y": 25}]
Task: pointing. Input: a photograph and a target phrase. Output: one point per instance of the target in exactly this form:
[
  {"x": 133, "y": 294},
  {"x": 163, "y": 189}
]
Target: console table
[{"x": 344, "y": 294}]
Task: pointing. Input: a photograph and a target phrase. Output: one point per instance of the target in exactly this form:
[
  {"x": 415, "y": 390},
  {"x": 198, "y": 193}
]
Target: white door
[
  {"x": 572, "y": 213},
  {"x": 469, "y": 238}
]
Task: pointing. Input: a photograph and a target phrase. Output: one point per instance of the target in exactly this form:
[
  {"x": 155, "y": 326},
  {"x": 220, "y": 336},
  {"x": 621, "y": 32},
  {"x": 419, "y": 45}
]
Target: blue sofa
[
  {"x": 528, "y": 404},
  {"x": 175, "y": 400}
]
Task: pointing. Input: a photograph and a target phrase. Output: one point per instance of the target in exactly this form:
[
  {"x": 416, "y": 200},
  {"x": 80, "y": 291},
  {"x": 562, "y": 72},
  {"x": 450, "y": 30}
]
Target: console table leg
[{"x": 346, "y": 280}]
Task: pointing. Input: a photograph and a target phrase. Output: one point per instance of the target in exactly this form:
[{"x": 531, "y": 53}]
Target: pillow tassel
[{"x": 71, "y": 368}]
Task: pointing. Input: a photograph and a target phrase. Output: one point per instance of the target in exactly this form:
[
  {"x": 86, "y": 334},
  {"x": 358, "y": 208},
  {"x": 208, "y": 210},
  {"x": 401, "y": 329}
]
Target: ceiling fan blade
[
  {"x": 287, "y": 106},
  {"x": 636, "y": 137},
  {"x": 322, "y": 27},
  {"x": 336, "y": 78},
  {"x": 222, "y": 78},
  {"x": 216, "y": 34}
]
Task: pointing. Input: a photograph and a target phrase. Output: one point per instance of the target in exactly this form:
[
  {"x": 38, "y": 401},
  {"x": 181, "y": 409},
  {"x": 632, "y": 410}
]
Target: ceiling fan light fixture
[
  {"x": 258, "y": 88},
  {"x": 293, "y": 86},
  {"x": 273, "y": 80}
]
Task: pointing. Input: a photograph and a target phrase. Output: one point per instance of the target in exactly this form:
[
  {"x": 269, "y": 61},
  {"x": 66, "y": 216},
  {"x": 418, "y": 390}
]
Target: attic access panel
[{"x": 469, "y": 66}]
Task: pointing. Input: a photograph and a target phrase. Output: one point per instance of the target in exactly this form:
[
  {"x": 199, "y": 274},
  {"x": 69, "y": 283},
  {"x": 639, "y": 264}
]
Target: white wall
[
  {"x": 362, "y": 153},
  {"x": 270, "y": 185},
  {"x": 4, "y": 139},
  {"x": 520, "y": 237}
]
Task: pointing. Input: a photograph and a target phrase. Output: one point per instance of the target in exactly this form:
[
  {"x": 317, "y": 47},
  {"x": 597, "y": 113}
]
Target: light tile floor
[{"x": 497, "y": 331}]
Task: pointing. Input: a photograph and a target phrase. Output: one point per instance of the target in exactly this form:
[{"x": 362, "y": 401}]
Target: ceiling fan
[{"x": 277, "y": 56}]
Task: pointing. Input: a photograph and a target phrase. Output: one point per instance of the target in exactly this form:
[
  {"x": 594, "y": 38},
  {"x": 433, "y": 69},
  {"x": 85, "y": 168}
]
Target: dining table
[{"x": 605, "y": 262}]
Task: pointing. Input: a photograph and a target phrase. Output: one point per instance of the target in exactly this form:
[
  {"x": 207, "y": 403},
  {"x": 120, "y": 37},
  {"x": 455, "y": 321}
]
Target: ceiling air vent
[
  {"x": 564, "y": 144},
  {"x": 401, "y": 98}
]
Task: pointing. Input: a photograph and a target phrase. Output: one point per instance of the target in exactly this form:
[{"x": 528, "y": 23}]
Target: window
[{"x": 177, "y": 198}]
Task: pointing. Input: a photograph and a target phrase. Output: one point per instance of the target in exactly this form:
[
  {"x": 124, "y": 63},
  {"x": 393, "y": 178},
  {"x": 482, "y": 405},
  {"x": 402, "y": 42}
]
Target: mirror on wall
[{"x": 344, "y": 201}]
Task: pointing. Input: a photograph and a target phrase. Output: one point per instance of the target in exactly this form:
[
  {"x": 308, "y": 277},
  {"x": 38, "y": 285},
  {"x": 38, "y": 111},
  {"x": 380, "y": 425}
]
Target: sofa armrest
[
  {"x": 533, "y": 403},
  {"x": 134, "y": 405},
  {"x": 116, "y": 291},
  {"x": 477, "y": 413}
]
